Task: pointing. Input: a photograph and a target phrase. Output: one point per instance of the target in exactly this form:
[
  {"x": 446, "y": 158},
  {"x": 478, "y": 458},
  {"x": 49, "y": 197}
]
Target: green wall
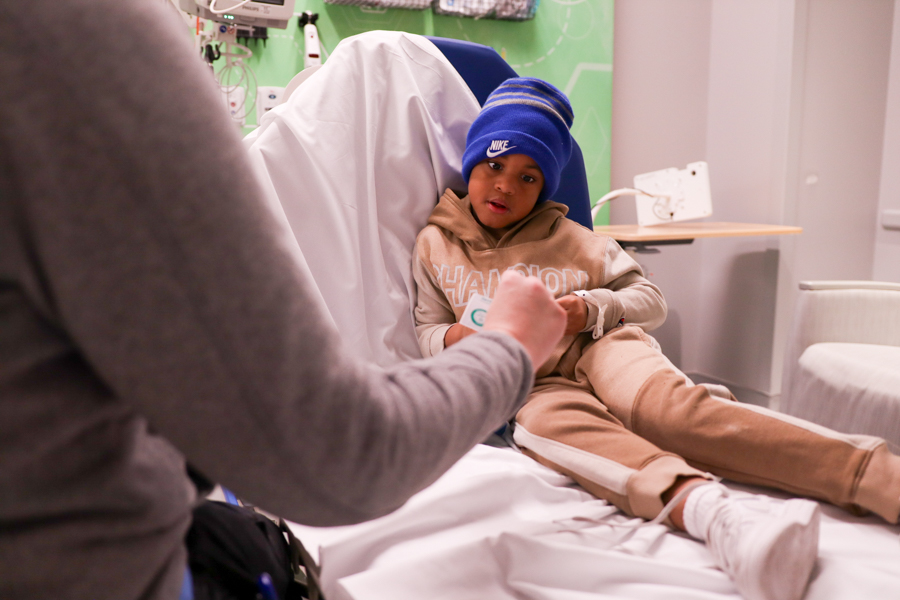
[{"x": 568, "y": 43}]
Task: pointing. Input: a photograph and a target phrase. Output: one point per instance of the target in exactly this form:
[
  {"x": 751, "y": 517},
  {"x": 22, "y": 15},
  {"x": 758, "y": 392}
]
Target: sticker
[{"x": 476, "y": 312}]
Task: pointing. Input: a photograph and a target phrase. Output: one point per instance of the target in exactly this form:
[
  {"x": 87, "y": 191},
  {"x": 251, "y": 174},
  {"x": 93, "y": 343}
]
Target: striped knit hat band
[
  {"x": 527, "y": 116},
  {"x": 535, "y": 93}
]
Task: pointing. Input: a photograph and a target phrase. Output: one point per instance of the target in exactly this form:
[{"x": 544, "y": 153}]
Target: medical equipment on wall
[
  {"x": 668, "y": 195},
  {"x": 236, "y": 79},
  {"x": 255, "y": 13},
  {"x": 235, "y": 99},
  {"x": 312, "y": 53},
  {"x": 233, "y": 24}
]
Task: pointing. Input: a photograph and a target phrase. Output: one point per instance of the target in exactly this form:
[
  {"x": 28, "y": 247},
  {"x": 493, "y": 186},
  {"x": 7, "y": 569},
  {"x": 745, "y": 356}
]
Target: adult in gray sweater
[{"x": 147, "y": 315}]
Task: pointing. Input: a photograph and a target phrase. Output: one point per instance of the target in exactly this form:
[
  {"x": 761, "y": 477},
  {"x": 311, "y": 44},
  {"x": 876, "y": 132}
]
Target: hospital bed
[{"x": 352, "y": 165}]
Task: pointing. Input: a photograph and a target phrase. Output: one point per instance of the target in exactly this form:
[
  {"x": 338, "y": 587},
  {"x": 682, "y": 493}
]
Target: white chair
[{"x": 842, "y": 365}]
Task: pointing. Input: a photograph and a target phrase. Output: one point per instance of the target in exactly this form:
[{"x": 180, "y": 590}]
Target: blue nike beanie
[{"x": 523, "y": 116}]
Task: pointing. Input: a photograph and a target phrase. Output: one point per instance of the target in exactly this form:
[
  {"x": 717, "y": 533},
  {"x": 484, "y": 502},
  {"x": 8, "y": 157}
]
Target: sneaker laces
[{"x": 632, "y": 526}]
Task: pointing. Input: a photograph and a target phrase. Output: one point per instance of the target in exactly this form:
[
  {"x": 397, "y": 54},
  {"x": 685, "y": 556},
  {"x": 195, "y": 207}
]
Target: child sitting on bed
[{"x": 608, "y": 409}]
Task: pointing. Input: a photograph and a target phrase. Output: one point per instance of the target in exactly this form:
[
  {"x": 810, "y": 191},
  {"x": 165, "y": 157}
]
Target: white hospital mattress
[{"x": 499, "y": 525}]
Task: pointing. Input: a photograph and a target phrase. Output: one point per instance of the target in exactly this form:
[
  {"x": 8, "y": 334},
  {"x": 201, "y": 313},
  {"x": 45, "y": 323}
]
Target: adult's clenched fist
[{"x": 525, "y": 309}]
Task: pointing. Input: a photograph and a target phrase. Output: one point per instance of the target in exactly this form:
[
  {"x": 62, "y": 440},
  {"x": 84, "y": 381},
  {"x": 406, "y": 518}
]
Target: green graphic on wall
[{"x": 569, "y": 43}]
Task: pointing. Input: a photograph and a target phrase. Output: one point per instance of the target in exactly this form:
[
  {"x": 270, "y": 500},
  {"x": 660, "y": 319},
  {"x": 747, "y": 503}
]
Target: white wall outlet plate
[
  {"x": 267, "y": 98},
  {"x": 688, "y": 191}
]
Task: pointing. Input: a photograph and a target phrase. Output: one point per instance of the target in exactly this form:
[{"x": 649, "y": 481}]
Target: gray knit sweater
[{"x": 146, "y": 316}]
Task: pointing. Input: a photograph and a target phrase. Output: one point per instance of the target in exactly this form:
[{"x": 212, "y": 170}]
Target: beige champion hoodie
[{"x": 456, "y": 257}]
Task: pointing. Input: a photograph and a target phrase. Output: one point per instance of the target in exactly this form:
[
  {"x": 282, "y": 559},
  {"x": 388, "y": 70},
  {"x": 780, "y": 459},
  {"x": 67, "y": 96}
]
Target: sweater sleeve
[
  {"x": 625, "y": 294},
  {"x": 161, "y": 264},
  {"x": 433, "y": 313}
]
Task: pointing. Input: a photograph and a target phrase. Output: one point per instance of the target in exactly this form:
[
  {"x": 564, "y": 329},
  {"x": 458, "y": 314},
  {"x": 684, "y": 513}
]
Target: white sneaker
[{"x": 768, "y": 547}]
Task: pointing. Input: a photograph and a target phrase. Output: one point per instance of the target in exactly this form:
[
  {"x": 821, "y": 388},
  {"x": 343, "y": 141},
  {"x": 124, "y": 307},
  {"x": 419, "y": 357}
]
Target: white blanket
[
  {"x": 499, "y": 525},
  {"x": 355, "y": 160}
]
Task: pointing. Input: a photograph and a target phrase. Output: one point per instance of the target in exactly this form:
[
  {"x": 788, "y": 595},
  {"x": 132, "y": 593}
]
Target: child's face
[{"x": 503, "y": 190}]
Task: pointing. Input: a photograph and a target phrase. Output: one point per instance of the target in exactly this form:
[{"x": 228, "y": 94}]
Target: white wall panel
[
  {"x": 660, "y": 81},
  {"x": 887, "y": 242}
]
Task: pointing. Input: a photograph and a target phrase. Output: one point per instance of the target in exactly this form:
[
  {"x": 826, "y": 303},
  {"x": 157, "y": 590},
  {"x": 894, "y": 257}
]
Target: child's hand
[
  {"x": 456, "y": 333},
  {"x": 576, "y": 313}
]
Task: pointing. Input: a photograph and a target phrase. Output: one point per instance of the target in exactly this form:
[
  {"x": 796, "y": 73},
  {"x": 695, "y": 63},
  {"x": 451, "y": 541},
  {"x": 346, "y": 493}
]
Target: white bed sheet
[
  {"x": 499, "y": 525},
  {"x": 353, "y": 163}
]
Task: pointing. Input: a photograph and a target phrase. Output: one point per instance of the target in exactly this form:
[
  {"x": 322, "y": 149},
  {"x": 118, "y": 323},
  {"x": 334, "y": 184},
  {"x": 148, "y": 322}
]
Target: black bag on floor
[{"x": 230, "y": 547}]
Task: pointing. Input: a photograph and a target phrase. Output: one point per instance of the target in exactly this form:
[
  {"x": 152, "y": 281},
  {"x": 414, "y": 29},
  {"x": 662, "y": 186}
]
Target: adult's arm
[{"x": 161, "y": 264}]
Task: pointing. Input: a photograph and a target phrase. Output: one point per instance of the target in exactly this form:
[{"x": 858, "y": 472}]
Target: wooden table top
[{"x": 689, "y": 231}]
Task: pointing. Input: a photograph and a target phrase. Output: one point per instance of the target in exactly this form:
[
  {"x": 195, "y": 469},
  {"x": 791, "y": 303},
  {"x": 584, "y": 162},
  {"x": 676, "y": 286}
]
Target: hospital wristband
[{"x": 595, "y": 316}]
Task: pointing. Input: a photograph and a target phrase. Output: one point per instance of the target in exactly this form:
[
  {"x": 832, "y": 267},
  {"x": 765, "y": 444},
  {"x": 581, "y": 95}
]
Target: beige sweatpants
[{"x": 626, "y": 424}]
